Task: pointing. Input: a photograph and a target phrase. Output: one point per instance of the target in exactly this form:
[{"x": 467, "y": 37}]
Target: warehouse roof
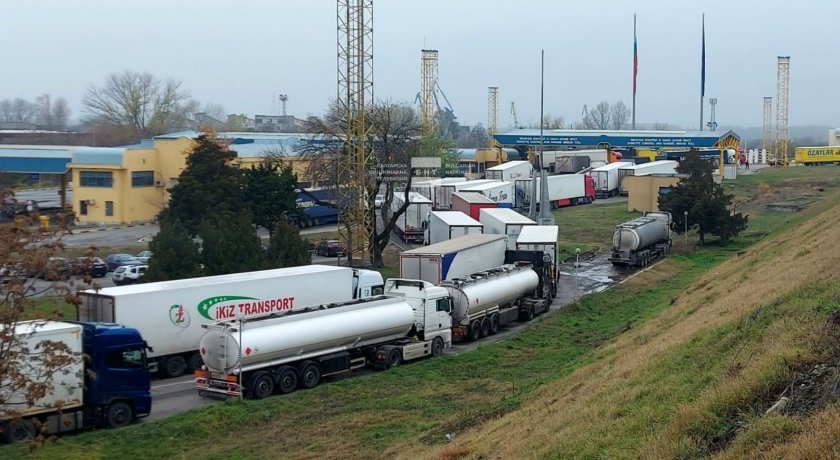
[
  {"x": 99, "y": 156},
  {"x": 619, "y": 138},
  {"x": 35, "y": 159}
]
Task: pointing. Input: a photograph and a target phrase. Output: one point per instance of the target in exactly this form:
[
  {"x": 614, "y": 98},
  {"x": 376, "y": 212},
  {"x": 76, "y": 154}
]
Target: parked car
[
  {"x": 330, "y": 248},
  {"x": 378, "y": 200},
  {"x": 56, "y": 268},
  {"x": 93, "y": 266},
  {"x": 144, "y": 256},
  {"x": 11, "y": 272},
  {"x": 128, "y": 274},
  {"x": 116, "y": 260}
]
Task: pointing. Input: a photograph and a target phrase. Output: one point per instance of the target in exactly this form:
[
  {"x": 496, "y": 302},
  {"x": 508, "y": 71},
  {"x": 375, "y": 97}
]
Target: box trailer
[
  {"x": 170, "y": 314},
  {"x": 471, "y": 204},
  {"x": 411, "y": 223},
  {"x": 539, "y": 238},
  {"x": 645, "y": 169},
  {"x": 499, "y": 191},
  {"x": 505, "y": 222},
  {"x": 454, "y": 258},
  {"x": 606, "y": 178},
  {"x": 443, "y": 195},
  {"x": 445, "y": 225},
  {"x": 429, "y": 187},
  {"x": 570, "y": 165},
  {"x": 563, "y": 190},
  {"x": 509, "y": 171}
]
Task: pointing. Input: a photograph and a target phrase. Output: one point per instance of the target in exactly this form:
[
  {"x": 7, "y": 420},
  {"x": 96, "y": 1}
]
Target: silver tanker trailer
[{"x": 639, "y": 241}]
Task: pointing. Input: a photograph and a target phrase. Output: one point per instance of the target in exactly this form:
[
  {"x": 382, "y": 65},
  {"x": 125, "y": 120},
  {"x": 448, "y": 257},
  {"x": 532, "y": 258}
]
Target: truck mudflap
[{"x": 210, "y": 384}]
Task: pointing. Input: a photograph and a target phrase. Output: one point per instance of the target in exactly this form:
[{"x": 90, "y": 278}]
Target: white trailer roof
[
  {"x": 486, "y": 186},
  {"x": 470, "y": 182},
  {"x": 415, "y": 197},
  {"x": 456, "y": 244},
  {"x": 473, "y": 198},
  {"x": 457, "y": 218},
  {"x": 652, "y": 164},
  {"x": 538, "y": 234},
  {"x": 506, "y": 166},
  {"x": 612, "y": 166},
  {"x": 213, "y": 280},
  {"x": 507, "y": 215},
  {"x": 28, "y": 327}
]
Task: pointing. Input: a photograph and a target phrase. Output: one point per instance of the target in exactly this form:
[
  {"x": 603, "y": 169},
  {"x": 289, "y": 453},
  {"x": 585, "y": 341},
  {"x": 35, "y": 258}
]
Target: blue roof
[
  {"x": 622, "y": 138},
  {"x": 98, "y": 156},
  {"x": 26, "y": 159}
]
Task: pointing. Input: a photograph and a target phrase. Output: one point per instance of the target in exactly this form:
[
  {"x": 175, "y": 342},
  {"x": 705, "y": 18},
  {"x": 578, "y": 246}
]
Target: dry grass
[{"x": 628, "y": 405}]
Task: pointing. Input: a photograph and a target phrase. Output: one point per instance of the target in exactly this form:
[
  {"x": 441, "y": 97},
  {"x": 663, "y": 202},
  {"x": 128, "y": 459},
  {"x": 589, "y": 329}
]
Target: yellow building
[
  {"x": 643, "y": 191},
  {"x": 125, "y": 185}
]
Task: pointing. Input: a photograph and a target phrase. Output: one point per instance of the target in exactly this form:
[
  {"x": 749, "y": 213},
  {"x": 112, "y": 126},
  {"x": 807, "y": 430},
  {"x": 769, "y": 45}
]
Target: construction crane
[
  {"x": 492, "y": 113},
  {"x": 513, "y": 112}
]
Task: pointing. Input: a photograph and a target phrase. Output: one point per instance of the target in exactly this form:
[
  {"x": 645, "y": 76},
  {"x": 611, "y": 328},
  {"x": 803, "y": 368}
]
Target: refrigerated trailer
[
  {"x": 450, "y": 259},
  {"x": 606, "y": 178},
  {"x": 499, "y": 191},
  {"x": 645, "y": 169},
  {"x": 539, "y": 238},
  {"x": 471, "y": 204},
  {"x": 443, "y": 195},
  {"x": 505, "y": 222},
  {"x": 563, "y": 190},
  {"x": 509, "y": 171},
  {"x": 170, "y": 314},
  {"x": 445, "y": 225},
  {"x": 410, "y": 224}
]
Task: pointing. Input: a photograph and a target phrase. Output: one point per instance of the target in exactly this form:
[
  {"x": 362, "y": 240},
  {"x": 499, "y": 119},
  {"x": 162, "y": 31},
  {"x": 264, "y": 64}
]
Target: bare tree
[
  {"x": 17, "y": 110},
  {"x": 599, "y": 117},
  {"x": 51, "y": 114},
  {"x": 139, "y": 102},
  {"x": 619, "y": 114},
  {"x": 550, "y": 122}
]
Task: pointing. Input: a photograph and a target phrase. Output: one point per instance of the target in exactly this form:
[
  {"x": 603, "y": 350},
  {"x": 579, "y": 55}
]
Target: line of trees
[{"x": 45, "y": 112}]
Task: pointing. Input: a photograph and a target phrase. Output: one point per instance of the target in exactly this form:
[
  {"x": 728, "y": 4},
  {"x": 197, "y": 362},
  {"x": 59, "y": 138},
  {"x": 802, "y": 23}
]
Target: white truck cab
[{"x": 432, "y": 307}]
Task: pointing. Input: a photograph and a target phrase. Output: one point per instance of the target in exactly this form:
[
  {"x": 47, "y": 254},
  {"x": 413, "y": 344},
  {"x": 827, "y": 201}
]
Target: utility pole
[
  {"x": 768, "y": 123},
  {"x": 492, "y": 113},
  {"x": 782, "y": 95},
  {"x": 546, "y": 217}
]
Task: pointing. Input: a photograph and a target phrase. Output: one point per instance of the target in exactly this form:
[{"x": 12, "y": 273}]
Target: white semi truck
[
  {"x": 411, "y": 224},
  {"x": 278, "y": 355},
  {"x": 606, "y": 178},
  {"x": 505, "y": 222},
  {"x": 645, "y": 169},
  {"x": 445, "y": 225},
  {"x": 453, "y": 258},
  {"x": 541, "y": 238},
  {"x": 639, "y": 241},
  {"x": 509, "y": 171},
  {"x": 443, "y": 194},
  {"x": 170, "y": 314},
  {"x": 499, "y": 191}
]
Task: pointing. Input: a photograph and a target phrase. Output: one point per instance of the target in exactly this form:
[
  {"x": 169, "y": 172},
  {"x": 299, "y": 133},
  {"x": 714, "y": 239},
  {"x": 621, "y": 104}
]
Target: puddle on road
[{"x": 593, "y": 275}]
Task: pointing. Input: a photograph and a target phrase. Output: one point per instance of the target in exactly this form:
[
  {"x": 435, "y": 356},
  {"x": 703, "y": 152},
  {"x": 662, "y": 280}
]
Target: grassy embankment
[{"x": 656, "y": 366}]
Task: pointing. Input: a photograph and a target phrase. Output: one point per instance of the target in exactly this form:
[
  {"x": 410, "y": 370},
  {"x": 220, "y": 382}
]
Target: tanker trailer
[
  {"x": 639, "y": 241},
  {"x": 264, "y": 356},
  {"x": 485, "y": 301}
]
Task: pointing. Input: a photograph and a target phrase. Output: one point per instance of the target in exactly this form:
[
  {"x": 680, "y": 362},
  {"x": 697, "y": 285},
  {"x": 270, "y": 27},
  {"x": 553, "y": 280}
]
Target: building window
[
  {"x": 142, "y": 178},
  {"x": 96, "y": 178},
  {"x": 109, "y": 208},
  {"x": 83, "y": 207}
]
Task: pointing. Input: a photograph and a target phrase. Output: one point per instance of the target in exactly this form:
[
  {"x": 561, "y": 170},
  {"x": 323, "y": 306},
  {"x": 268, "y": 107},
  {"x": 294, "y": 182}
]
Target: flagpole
[
  {"x": 635, "y": 66},
  {"x": 703, "y": 72}
]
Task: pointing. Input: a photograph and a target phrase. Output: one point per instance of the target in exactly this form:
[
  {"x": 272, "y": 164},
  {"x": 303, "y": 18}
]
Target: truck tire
[
  {"x": 195, "y": 362},
  {"x": 437, "y": 346},
  {"x": 260, "y": 385},
  {"x": 494, "y": 324},
  {"x": 310, "y": 375},
  {"x": 475, "y": 331},
  {"x": 17, "y": 431},
  {"x": 530, "y": 313},
  {"x": 173, "y": 366},
  {"x": 394, "y": 358},
  {"x": 287, "y": 379},
  {"x": 119, "y": 414},
  {"x": 485, "y": 327}
]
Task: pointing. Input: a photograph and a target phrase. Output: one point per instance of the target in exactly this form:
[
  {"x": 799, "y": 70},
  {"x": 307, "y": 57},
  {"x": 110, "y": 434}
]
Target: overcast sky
[{"x": 243, "y": 53}]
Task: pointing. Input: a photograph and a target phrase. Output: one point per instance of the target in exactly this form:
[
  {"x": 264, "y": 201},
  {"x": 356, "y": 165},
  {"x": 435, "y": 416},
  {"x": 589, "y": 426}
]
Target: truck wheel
[
  {"x": 287, "y": 378},
  {"x": 119, "y": 415},
  {"x": 530, "y": 313},
  {"x": 17, "y": 431},
  {"x": 195, "y": 362},
  {"x": 394, "y": 358},
  {"x": 485, "y": 327},
  {"x": 174, "y": 366},
  {"x": 261, "y": 385},
  {"x": 310, "y": 375},
  {"x": 494, "y": 324},
  {"x": 475, "y": 331},
  {"x": 437, "y": 346}
]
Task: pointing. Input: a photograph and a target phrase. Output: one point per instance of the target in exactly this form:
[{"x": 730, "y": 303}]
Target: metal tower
[
  {"x": 355, "y": 91},
  {"x": 768, "y": 123},
  {"x": 428, "y": 83},
  {"x": 712, "y": 124},
  {"x": 283, "y": 98},
  {"x": 492, "y": 112},
  {"x": 782, "y": 98},
  {"x": 513, "y": 112}
]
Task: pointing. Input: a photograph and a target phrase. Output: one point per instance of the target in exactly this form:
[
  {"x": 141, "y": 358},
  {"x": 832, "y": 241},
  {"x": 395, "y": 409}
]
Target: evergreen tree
[
  {"x": 287, "y": 248},
  {"x": 706, "y": 203},
  {"x": 175, "y": 254},
  {"x": 269, "y": 193},
  {"x": 208, "y": 185},
  {"x": 230, "y": 244}
]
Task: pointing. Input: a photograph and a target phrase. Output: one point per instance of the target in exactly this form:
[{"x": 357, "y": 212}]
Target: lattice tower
[
  {"x": 428, "y": 83},
  {"x": 782, "y": 99},
  {"x": 356, "y": 161},
  {"x": 768, "y": 123},
  {"x": 492, "y": 112}
]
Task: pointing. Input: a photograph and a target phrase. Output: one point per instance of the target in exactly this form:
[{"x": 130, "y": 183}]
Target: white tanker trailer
[
  {"x": 639, "y": 241},
  {"x": 278, "y": 355}
]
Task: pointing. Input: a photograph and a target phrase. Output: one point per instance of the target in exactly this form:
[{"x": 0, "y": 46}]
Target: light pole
[
  {"x": 577, "y": 264},
  {"x": 685, "y": 216}
]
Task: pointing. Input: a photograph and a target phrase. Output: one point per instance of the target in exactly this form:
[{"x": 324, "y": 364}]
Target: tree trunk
[{"x": 702, "y": 238}]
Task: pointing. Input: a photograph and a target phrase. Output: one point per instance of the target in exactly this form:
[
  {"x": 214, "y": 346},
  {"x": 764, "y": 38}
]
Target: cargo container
[
  {"x": 451, "y": 259},
  {"x": 563, "y": 190},
  {"x": 645, "y": 169},
  {"x": 639, "y": 241},
  {"x": 411, "y": 223},
  {"x": 102, "y": 381},
  {"x": 499, "y": 191},
  {"x": 429, "y": 187},
  {"x": 471, "y": 204},
  {"x": 445, "y": 225},
  {"x": 811, "y": 156},
  {"x": 170, "y": 314},
  {"x": 509, "y": 171},
  {"x": 505, "y": 222},
  {"x": 606, "y": 178},
  {"x": 443, "y": 194},
  {"x": 541, "y": 238}
]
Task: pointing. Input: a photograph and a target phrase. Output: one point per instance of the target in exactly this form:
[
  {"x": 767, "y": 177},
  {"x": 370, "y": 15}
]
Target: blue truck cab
[{"x": 117, "y": 390}]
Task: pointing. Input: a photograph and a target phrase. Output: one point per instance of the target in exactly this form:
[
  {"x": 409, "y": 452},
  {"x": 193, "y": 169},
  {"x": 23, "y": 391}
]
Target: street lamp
[
  {"x": 577, "y": 264},
  {"x": 685, "y": 215}
]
